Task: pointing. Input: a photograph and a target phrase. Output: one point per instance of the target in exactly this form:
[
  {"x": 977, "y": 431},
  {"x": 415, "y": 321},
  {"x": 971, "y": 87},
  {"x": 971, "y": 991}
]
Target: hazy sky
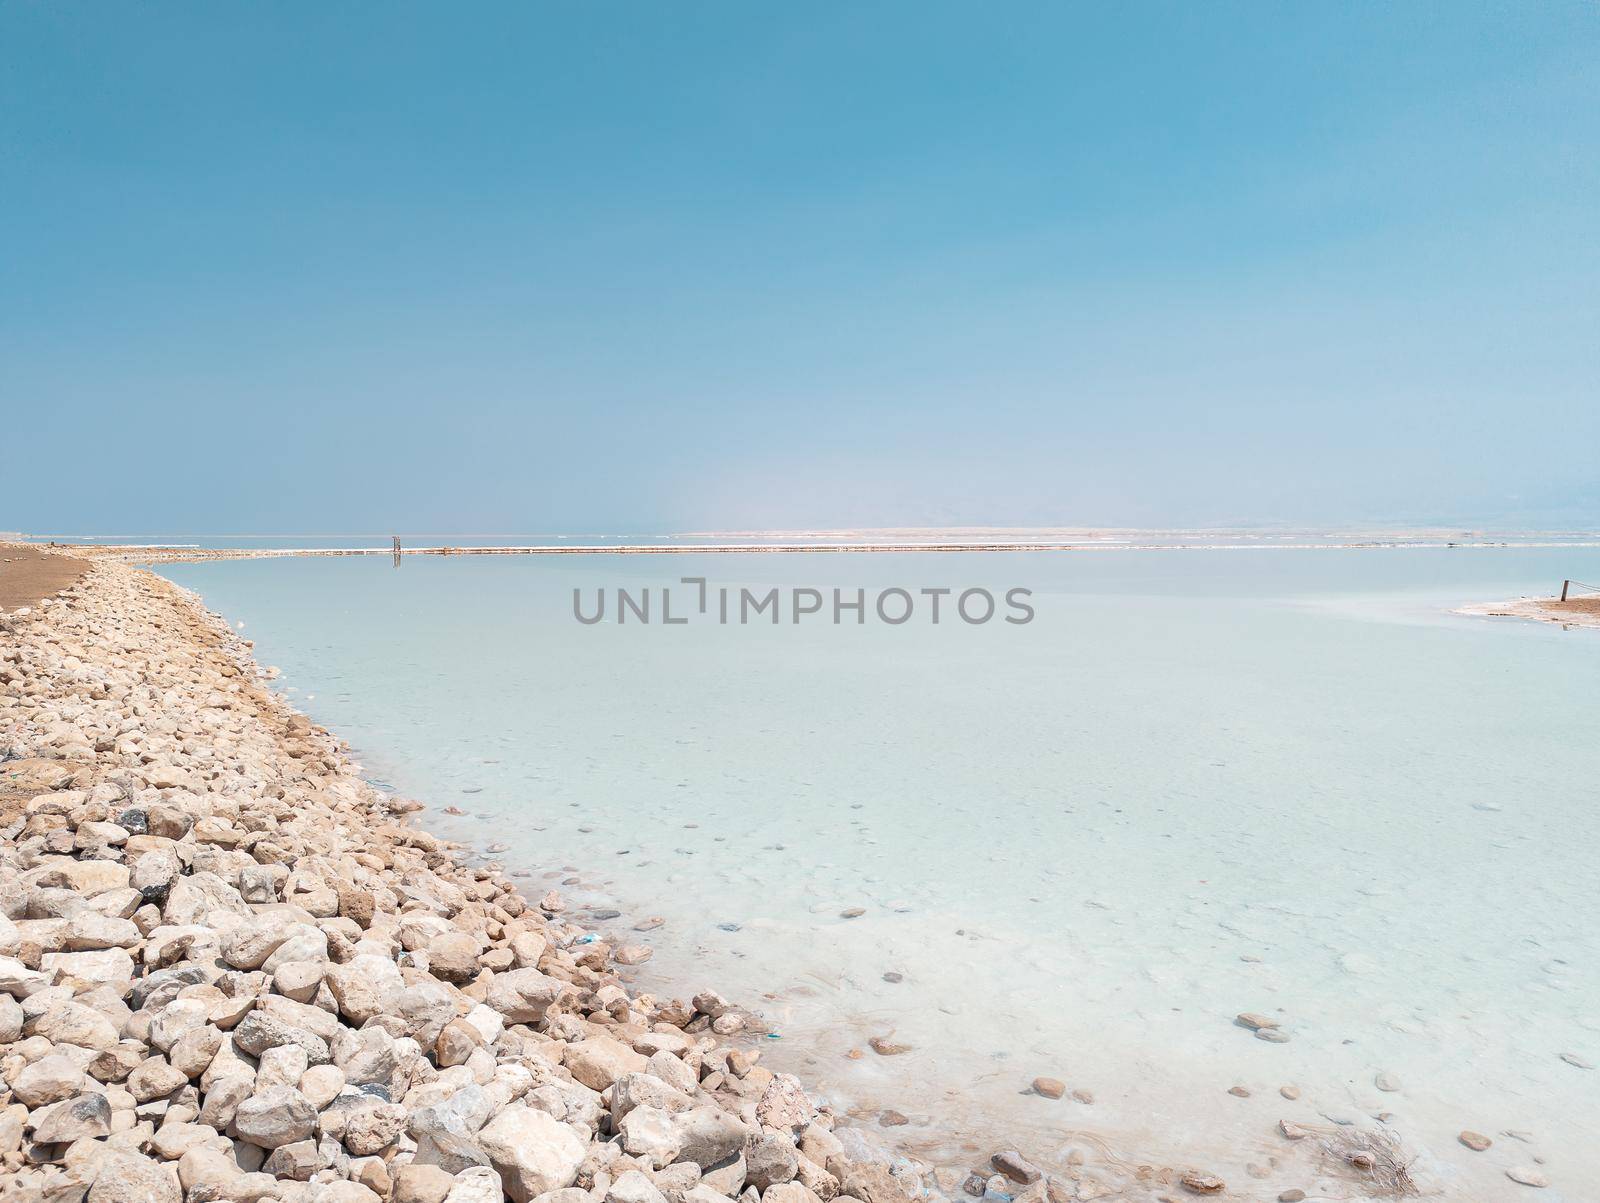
[{"x": 543, "y": 267}]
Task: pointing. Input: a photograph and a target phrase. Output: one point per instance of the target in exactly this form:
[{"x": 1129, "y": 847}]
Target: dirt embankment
[{"x": 30, "y": 574}]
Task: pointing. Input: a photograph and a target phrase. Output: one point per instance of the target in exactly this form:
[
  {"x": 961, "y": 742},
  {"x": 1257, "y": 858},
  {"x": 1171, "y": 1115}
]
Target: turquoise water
[{"x": 1197, "y": 783}]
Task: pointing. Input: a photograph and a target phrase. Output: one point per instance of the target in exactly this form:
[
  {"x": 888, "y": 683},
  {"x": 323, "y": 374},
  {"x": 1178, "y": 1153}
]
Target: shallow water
[{"x": 1197, "y": 783}]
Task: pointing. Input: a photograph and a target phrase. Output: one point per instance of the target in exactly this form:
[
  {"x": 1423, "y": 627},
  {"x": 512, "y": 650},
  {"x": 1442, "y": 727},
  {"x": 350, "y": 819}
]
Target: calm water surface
[{"x": 1197, "y": 783}]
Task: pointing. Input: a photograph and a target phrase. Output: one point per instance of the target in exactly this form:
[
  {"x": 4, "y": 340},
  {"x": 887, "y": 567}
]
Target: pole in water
[
  {"x": 397, "y": 551},
  {"x": 1564, "y": 585}
]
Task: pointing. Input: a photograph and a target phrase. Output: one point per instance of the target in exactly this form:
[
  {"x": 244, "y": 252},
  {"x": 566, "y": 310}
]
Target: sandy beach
[
  {"x": 1575, "y": 612},
  {"x": 28, "y": 574}
]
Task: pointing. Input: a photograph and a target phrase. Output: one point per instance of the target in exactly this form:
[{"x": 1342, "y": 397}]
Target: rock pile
[{"x": 230, "y": 970}]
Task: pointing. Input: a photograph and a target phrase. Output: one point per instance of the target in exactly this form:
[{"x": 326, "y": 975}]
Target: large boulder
[
  {"x": 708, "y": 1136},
  {"x": 17, "y": 980},
  {"x": 365, "y": 986},
  {"x": 600, "y": 1061},
  {"x": 250, "y": 945},
  {"x": 258, "y": 1031},
  {"x": 783, "y": 1105},
  {"x": 421, "y": 1183},
  {"x": 453, "y": 956},
  {"x": 872, "y": 1183},
  {"x": 532, "y": 1152},
  {"x": 109, "y": 966},
  {"x": 48, "y": 1080},
  {"x": 74, "y": 1023},
  {"x": 522, "y": 995},
  {"x": 445, "y": 1132},
  {"x": 423, "y": 1008},
  {"x": 634, "y": 1187},
  {"x": 126, "y": 1177},
  {"x": 72, "y": 1119},
  {"x": 367, "y": 1057},
  {"x": 477, "y": 1185},
  {"x": 153, "y": 1079},
  {"x": 208, "y": 1169},
  {"x": 88, "y": 932},
  {"x": 770, "y": 1159},
  {"x": 276, "y": 1116},
  {"x": 644, "y": 1090},
  {"x": 647, "y": 1134}
]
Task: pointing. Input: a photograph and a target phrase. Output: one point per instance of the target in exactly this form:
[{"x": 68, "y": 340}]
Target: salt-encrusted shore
[
  {"x": 230, "y": 969},
  {"x": 1576, "y": 612}
]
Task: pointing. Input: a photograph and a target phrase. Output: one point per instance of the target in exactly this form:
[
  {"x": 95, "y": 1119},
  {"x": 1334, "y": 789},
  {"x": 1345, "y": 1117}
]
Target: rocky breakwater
[{"x": 231, "y": 970}]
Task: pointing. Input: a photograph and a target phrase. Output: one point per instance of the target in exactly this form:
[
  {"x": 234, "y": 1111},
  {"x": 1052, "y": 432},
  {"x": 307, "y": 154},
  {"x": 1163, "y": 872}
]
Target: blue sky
[{"x": 643, "y": 267}]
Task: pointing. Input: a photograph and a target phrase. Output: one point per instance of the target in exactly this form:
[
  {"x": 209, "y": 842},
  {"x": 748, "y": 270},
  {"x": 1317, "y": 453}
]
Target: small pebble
[
  {"x": 1050, "y": 1088},
  {"x": 1239, "y": 1092},
  {"x": 892, "y": 977},
  {"x": 1272, "y": 1036},
  {"x": 1016, "y": 1167},
  {"x": 1289, "y": 1092},
  {"x": 1527, "y": 1175},
  {"x": 1203, "y": 1184},
  {"x": 885, "y": 1047},
  {"x": 1253, "y": 1021},
  {"x": 1386, "y": 1082},
  {"x": 892, "y": 1119},
  {"x": 1293, "y": 1195},
  {"x": 853, "y": 912},
  {"x": 1476, "y": 1141}
]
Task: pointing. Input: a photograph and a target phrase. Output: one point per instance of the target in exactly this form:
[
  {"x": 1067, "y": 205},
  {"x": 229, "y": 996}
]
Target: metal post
[
  {"x": 1564, "y": 585},
  {"x": 397, "y": 551}
]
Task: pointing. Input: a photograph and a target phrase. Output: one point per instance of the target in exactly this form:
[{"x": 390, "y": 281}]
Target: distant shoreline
[{"x": 158, "y": 553}]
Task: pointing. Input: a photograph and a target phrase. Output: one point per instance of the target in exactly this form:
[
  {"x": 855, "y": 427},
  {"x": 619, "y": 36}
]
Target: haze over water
[{"x": 1196, "y": 784}]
